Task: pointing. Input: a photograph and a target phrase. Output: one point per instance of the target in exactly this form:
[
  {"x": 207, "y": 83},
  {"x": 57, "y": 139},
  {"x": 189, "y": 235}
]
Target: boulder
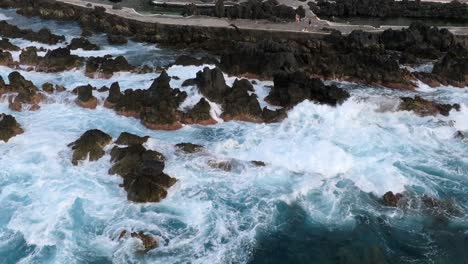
[
  {"x": 85, "y": 97},
  {"x": 90, "y": 145},
  {"x": 9, "y": 127}
]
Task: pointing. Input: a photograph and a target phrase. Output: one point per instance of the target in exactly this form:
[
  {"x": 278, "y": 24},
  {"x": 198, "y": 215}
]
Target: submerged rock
[
  {"x": 391, "y": 199},
  {"x": 148, "y": 241},
  {"x": 189, "y": 147},
  {"x": 90, "y": 145},
  {"x": 9, "y": 127},
  {"x": 424, "y": 107},
  {"x": 82, "y": 43},
  {"x": 128, "y": 139}
]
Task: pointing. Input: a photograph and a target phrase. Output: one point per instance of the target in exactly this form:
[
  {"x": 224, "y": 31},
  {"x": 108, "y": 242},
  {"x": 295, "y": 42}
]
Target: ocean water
[{"x": 316, "y": 201}]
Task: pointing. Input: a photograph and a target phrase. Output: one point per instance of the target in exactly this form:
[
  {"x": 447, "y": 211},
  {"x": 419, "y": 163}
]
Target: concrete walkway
[{"x": 203, "y": 21}]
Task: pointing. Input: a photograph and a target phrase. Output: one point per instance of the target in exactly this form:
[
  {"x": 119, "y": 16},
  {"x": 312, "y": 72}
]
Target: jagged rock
[
  {"x": 43, "y": 36},
  {"x": 424, "y": 107},
  {"x": 29, "y": 56},
  {"x": 9, "y": 127},
  {"x": 199, "y": 114},
  {"x": 105, "y": 67},
  {"x": 189, "y": 147},
  {"x": 5, "y": 58},
  {"x": 211, "y": 84},
  {"x": 453, "y": 67},
  {"x": 27, "y": 92},
  {"x": 161, "y": 112},
  {"x": 114, "y": 95},
  {"x": 5, "y": 44},
  {"x": 116, "y": 39},
  {"x": 238, "y": 104},
  {"x": 82, "y": 43},
  {"x": 90, "y": 145},
  {"x": 85, "y": 97},
  {"x": 258, "y": 163},
  {"x": 59, "y": 60},
  {"x": 293, "y": 88},
  {"x": 142, "y": 170},
  {"x": 130, "y": 139}
]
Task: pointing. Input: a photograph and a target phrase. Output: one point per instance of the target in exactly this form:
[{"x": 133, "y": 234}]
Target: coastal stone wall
[{"x": 391, "y": 8}]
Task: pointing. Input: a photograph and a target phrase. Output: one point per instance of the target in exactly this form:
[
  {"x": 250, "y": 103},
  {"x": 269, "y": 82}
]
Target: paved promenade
[{"x": 203, "y": 21}]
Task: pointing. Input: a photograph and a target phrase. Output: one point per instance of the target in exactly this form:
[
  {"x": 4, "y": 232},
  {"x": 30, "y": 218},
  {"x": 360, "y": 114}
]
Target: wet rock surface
[
  {"x": 157, "y": 107},
  {"x": 89, "y": 146},
  {"x": 85, "y": 97},
  {"x": 129, "y": 139},
  {"x": 189, "y": 147},
  {"x": 186, "y": 60},
  {"x": 293, "y": 88},
  {"x": 142, "y": 171},
  {"x": 105, "y": 67},
  {"x": 43, "y": 36},
  {"x": 82, "y": 43},
  {"x": 5, "y": 44},
  {"x": 426, "y": 204},
  {"x": 425, "y": 107},
  {"x": 148, "y": 241},
  {"x": 58, "y": 60},
  {"x": 9, "y": 127},
  {"x": 22, "y": 92}
]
